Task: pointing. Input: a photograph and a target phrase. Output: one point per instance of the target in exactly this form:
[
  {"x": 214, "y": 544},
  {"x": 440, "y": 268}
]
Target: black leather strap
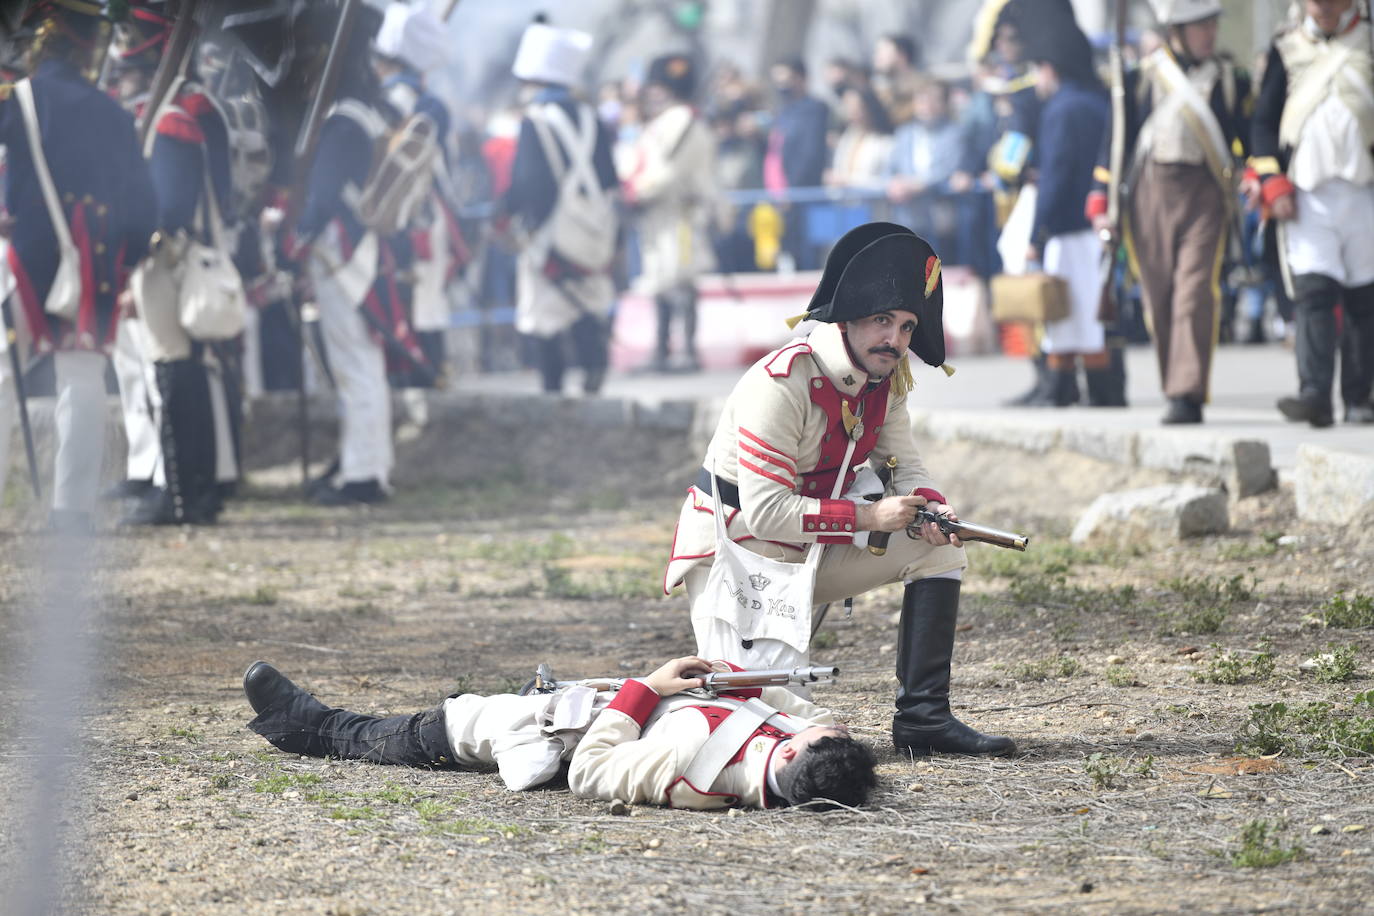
[{"x": 729, "y": 493}]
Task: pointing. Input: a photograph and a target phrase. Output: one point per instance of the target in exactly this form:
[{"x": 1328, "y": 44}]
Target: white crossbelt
[{"x": 731, "y": 735}]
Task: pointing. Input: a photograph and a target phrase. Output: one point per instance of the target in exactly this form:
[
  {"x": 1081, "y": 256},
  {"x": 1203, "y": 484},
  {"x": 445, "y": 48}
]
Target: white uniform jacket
[
  {"x": 672, "y": 179},
  {"x": 781, "y": 440},
  {"x": 639, "y": 747}
]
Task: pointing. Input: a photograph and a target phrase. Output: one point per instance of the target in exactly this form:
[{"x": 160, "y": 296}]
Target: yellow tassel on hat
[
  {"x": 797, "y": 319},
  {"x": 947, "y": 369}
]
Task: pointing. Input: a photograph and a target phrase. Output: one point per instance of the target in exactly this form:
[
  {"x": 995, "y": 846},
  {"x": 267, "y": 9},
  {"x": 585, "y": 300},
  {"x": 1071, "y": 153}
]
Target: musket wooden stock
[{"x": 170, "y": 67}]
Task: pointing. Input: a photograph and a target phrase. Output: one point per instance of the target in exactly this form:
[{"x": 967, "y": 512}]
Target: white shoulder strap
[
  {"x": 23, "y": 90},
  {"x": 363, "y": 115},
  {"x": 580, "y": 142},
  {"x": 715, "y": 754}
]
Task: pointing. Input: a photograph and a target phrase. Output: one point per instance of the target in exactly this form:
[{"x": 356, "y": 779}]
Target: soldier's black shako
[{"x": 882, "y": 266}]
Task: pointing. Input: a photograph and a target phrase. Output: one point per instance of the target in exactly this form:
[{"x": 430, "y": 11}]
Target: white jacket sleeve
[{"x": 614, "y": 761}]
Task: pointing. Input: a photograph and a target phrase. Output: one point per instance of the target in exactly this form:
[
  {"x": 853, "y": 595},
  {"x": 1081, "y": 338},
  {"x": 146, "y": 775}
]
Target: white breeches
[
  {"x": 1075, "y": 257},
  {"x": 359, "y": 367},
  {"x": 1331, "y": 234},
  {"x": 140, "y": 398},
  {"x": 80, "y": 421}
]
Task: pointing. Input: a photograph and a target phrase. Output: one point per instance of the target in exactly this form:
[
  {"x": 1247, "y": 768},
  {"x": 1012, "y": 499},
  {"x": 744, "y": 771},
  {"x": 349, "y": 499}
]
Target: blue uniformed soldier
[
  {"x": 188, "y": 158},
  {"x": 107, "y": 212}
]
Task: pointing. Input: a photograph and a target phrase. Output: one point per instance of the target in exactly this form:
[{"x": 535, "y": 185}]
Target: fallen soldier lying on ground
[{"x": 659, "y": 740}]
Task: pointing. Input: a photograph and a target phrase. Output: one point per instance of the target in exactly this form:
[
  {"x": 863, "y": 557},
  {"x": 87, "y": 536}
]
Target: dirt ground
[{"x": 1128, "y": 794}]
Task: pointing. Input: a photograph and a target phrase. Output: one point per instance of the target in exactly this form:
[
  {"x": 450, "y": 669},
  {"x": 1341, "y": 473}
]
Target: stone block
[
  {"x": 671, "y": 416},
  {"x": 1333, "y": 486},
  {"x": 1157, "y": 515},
  {"x": 1117, "y": 446},
  {"x": 1242, "y": 466}
]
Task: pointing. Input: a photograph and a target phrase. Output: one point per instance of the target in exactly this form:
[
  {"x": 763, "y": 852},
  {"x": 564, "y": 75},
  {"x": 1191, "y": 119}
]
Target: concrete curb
[{"x": 1240, "y": 466}]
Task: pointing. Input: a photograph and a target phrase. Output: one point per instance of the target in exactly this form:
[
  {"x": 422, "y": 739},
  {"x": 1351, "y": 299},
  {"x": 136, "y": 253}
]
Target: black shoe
[
  {"x": 294, "y": 721},
  {"x": 1360, "y": 414},
  {"x": 925, "y": 645},
  {"x": 1061, "y": 390},
  {"x": 1182, "y": 410},
  {"x": 354, "y": 493},
  {"x": 1307, "y": 409},
  {"x": 153, "y": 508}
]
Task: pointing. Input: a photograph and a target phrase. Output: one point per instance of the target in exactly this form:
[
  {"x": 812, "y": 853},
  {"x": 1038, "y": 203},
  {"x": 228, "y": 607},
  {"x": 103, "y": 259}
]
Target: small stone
[
  {"x": 1086, "y": 887},
  {"x": 1353, "y": 828},
  {"x": 651, "y": 853},
  {"x": 132, "y": 796},
  {"x": 918, "y": 870},
  {"x": 1187, "y": 650},
  {"x": 1129, "y": 730},
  {"x": 619, "y": 807},
  {"x": 1115, "y": 660},
  {"x": 915, "y": 787},
  {"x": 734, "y": 812},
  {"x": 1145, "y": 736},
  {"x": 655, "y": 843},
  {"x": 450, "y": 852},
  {"x": 885, "y": 648},
  {"x": 1289, "y": 540},
  {"x": 1320, "y": 830}
]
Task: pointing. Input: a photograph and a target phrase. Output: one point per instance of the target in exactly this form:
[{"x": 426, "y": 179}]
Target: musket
[
  {"x": 967, "y": 531},
  {"x": 715, "y": 682},
  {"x": 170, "y": 67},
  {"x": 12, "y": 338},
  {"x": 1107, "y": 306}
]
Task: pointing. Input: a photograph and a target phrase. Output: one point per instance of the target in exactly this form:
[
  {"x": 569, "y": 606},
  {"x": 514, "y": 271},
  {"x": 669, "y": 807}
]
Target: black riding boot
[
  {"x": 294, "y": 721},
  {"x": 1039, "y": 389},
  {"x": 925, "y": 645},
  {"x": 1317, "y": 296}
]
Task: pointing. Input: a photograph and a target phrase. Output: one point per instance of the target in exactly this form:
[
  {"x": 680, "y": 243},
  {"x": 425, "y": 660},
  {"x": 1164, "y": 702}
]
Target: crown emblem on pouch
[{"x": 759, "y": 581}]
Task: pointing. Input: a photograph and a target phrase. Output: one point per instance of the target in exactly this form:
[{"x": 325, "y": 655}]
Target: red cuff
[
  {"x": 1274, "y": 187},
  {"x": 637, "y": 700},
  {"x": 836, "y": 515},
  {"x": 1096, "y": 205},
  {"x": 934, "y": 496}
]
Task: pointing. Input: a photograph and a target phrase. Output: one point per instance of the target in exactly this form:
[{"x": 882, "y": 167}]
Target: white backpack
[{"x": 582, "y": 228}]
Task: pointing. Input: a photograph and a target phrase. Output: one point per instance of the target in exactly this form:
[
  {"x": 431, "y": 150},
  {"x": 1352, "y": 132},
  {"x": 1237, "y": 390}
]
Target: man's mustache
[{"x": 887, "y": 350}]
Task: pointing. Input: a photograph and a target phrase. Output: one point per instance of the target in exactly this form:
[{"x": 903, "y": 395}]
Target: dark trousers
[
  {"x": 1318, "y": 339},
  {"x": 589, "y": 345}
]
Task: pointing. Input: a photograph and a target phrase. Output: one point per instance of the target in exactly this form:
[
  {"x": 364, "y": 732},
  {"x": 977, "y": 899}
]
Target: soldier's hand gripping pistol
[{"x": 965, "y": 531}]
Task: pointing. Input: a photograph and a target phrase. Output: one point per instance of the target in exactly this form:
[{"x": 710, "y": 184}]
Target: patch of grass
[
  {"x": 170, "y": 760},
  {"x": 1049, "y": 667},
  {"x": 280, "y": 781},
  {"x": 262, "y": 596},
  {"x": 1052, "y": 590},
  {"x": 396, "y": 795},
  {"x": 1227, "y": 667},
  {"x": 1310, "y": 730},
  {"x": 522, "y": 551},
  {"x": 190, "y": 734},
  {"x": 608, "y": 584},
  {"x": 1207, "y": 601},
  {"x": 1104, "y": 769},
  {"x": 221, "y": 781},
  {"x": 1250, "y": 550},
  {"x": 1337, "y": 664},
  {"x": 1355, "y": 612},
  {"x": 342, "y": 813},
  {"x": 1259, "y": 845},
  {"x": 1146, "y": 767},
  {"x": 1120, "y": 676},
  {"x": 824, "y": 639}
]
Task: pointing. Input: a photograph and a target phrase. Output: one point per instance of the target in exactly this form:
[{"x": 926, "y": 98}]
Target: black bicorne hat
[
  {"x": 882, "y": 266},
  {"x": 675, "y": 72}
]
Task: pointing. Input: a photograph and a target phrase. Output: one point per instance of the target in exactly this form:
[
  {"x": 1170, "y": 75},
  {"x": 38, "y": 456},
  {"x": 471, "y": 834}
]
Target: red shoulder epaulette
[
  {"x": 780, "y": 366},
  {"x": 178, "y": 125}
]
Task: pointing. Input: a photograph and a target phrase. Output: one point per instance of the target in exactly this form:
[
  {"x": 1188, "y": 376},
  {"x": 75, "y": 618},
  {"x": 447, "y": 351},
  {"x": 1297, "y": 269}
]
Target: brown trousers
[{"x": 1178, "y": 235}]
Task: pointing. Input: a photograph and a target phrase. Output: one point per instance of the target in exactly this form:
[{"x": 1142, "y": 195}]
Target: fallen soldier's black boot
[
  {"x": 294, "y": 721},
  {"x": 925, "y": 645}
]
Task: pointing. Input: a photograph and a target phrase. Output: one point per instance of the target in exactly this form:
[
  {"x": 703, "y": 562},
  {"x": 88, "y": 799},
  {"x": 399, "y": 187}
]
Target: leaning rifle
[
  {"x": 172, "y": 65},
  {"x": 715, "y": 682},
  {"x": 20, "y": 396},
  {"x": 1107, "y": 307}
]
